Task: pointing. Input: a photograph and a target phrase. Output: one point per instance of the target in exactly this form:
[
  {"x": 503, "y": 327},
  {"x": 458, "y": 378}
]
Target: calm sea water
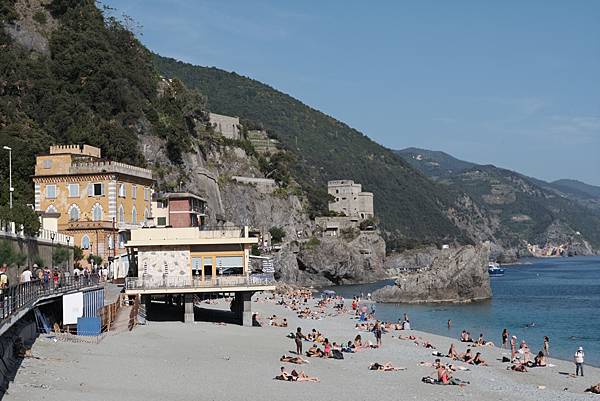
[{"x": 560, "y": 297}]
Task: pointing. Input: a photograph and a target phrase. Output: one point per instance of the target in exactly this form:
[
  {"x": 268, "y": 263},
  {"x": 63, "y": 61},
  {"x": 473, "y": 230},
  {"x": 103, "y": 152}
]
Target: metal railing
[
  {"x": 15, "y": 298},
  {"x": 150, "y": 283}
]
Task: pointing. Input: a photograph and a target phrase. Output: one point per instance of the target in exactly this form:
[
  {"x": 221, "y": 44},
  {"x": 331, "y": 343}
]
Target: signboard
[{"x": 72, "y": 307}]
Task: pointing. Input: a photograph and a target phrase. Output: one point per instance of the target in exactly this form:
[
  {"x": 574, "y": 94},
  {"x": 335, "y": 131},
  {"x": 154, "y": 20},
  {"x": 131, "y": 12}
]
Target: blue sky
[{"x": 511, "y": 83}]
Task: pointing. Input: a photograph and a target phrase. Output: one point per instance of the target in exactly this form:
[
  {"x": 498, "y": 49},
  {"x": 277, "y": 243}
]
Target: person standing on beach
[
  {"x": 579, "y": 355},
  {"x": 298, "y": 339},
  {"x": 505, "y": 338},
  {"x": 377, "y": 331},
  {"x": 546, "y": 346},
  {"x": 513, "y": 347}
]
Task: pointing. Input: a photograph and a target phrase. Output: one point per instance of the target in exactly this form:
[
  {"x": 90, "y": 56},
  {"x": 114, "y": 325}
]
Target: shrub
[
  {"x": 277, "y": 234},
  {"x": 40, "y": 17},
  {"x": 255, "y": 250}
]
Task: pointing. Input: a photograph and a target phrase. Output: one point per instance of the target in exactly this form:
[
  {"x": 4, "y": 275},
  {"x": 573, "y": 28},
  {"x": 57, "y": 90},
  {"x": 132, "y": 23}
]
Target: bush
[
  {"x": 40, "y": 17},
  {"x": 312, "y": 243},
  {"x": 277, "y": 234},
  {"x": 255, "y": 250}
]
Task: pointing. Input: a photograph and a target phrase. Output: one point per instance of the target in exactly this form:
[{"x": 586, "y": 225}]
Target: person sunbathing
[
  {"x": 452, "y": 352},
  {"x": 595, "y": 389},
  {"x": 285, "y": 376},
  {"x": 303, "y": 377},
  {"x": 348, "y": 348},
  {"x": 466, "y": 357},
  {"x": 518, "y": 367},
  {"x": 315, "y": 351},
  {"x": 293, "y": 359},
  {"x": 478, "y": 360},
  {"x": 386, "y": 367},
  {"x": 445, "y": 377},
  {"x": 539, "y": 360}
]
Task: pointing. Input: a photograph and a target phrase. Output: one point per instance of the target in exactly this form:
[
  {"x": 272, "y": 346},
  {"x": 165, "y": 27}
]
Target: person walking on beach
[
  {"x": 546, "y": 346},
  {"x": 505, "y": 338},
  {"x": 449, "y": 324},
  {"x": 298, "y": 339},
  {"x": 579, "y": 361}
]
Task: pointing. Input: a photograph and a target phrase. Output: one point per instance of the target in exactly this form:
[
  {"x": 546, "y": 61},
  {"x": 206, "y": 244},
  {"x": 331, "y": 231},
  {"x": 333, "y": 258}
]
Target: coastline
[{"x": 172, "y": 360}]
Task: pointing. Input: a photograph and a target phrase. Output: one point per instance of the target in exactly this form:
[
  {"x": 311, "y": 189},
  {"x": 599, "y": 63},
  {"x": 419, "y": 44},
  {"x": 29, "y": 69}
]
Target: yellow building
[{"x": 98, "y": 201}]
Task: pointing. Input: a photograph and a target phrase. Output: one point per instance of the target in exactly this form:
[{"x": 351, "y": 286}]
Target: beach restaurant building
[{"x": 192, "y": 261}]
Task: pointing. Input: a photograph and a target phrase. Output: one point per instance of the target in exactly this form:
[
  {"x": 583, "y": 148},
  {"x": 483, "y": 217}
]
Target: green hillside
[
  {"x": 526, "y": 208},
  {"x": 434, "y": 163},
  {"x": 95, "y": 84},
  {"x": 408, "y": 204}
]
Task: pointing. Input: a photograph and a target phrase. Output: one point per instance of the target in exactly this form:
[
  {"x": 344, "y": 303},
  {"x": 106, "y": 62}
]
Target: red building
[{"x": 178, "y": 209}]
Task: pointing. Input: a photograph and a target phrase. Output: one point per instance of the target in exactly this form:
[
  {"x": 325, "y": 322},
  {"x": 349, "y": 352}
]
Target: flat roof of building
[
  {"x": 176, "y": 195},
  {"x": 170, "y": 236}
]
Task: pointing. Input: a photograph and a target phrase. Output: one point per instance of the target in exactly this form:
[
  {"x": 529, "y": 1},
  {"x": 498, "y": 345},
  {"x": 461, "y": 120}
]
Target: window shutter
[
  {"x": 102, "y": 189},
  {"x": 90, "y": 189}
]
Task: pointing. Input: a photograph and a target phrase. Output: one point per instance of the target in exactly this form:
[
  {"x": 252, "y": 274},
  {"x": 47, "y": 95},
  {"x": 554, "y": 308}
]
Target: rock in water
[{"x": 456, "y": 275}]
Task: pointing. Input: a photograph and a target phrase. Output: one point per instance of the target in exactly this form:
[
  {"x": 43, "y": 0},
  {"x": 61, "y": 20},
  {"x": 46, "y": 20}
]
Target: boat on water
[{"x": 495, "y": 270}]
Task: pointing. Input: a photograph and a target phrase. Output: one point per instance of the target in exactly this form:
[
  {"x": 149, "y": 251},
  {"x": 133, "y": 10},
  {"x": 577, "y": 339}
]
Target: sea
[{"x": 554, "y": 297}]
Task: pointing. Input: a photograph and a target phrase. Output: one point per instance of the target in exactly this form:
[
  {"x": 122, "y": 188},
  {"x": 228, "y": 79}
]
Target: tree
[
  {"x": 95, "y": 260},
  {"x": 60, "y": 255},
  {"x": 7, "y": 254},
  {"x": 277, "y": 234},
  {"x": 77, "y": 253},
  {"x": 255, "y": 250}
]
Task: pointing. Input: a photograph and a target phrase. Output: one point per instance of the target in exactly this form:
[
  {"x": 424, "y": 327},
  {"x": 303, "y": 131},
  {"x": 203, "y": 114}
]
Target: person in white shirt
[
  {"x": 579, "y": 361},
  {"x": 26, "y": 275}
]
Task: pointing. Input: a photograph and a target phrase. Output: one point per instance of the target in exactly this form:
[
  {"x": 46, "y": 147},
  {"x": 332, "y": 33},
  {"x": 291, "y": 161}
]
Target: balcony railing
[
  {"x": 141, "y": 283},
  {"x": 18, "y": 297}
]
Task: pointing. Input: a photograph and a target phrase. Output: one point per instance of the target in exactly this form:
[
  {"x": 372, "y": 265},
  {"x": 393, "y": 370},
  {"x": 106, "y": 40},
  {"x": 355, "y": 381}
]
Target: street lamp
[
  {"x": 52, "y": 235},
  {"x": 68, "y": 255},
  {"x": 10, "y": 187}
]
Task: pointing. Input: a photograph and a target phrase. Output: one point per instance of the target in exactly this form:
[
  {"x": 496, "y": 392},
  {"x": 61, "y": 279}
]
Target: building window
[
  {"x": 121, "y": 214},
  {"x": 51, "y": 191},
  {"x": 74, "y": 190},
  {"x": 111, "y": 242},
  {"x": 73, "y": 213},
  {"x": 97, "y": 212},
  {"x": 146, "y": 215},
  {"x": 51, "y": 209},
  {"x": 47, "y": 163},
  {"x": 133, "y": 192},
  {"x": 85, "y": 242},
  {"x": 122, "y": 190},
  {"x": 133, "y": 216},
  {"x": 96, "y": 189},
  {"x": 146, "y": 194},
  {"x": 161, "y": 221}
]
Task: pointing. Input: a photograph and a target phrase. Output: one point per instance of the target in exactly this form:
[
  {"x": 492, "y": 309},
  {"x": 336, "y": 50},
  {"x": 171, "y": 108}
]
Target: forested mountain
[
  {"x": 409, "y": 205},
  {"x": 68, "y": 75},
  {"x": 526, "y": 208}
]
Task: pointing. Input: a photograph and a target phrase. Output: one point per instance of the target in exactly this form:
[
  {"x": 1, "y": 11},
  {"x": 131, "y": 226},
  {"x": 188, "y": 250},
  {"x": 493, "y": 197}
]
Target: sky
[{"x": 509, "y": 83}]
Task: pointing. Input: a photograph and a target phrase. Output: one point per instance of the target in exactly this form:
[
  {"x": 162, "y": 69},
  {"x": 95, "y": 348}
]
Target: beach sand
[{"x": 206, "y": 361}]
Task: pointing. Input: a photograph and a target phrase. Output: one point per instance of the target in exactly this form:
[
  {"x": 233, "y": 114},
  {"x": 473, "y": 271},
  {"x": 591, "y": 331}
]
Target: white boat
[{"x": 494, "y": 269}]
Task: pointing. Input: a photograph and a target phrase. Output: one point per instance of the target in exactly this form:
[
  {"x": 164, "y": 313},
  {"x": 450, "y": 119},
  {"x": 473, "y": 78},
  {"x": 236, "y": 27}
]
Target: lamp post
[
  {"x": 10, "y": 187},
  {"x": 52, "y": 235},
  {"x": 68, "y": 255}
]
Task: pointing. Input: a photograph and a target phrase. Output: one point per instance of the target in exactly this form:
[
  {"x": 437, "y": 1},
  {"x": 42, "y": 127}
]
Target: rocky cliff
[
  {"x": 455, "y": 275},
  {"x": 332, "y": 260}
]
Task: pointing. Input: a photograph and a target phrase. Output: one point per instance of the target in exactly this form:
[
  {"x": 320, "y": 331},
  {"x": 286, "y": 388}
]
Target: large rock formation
[
  {"x": 333, "y": 260},
  {"x": 456, "y": 275}
]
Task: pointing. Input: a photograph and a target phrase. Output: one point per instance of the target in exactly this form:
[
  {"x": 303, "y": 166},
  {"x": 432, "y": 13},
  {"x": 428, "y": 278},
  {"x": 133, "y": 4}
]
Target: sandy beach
[{"x": 206, "y": 361}]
